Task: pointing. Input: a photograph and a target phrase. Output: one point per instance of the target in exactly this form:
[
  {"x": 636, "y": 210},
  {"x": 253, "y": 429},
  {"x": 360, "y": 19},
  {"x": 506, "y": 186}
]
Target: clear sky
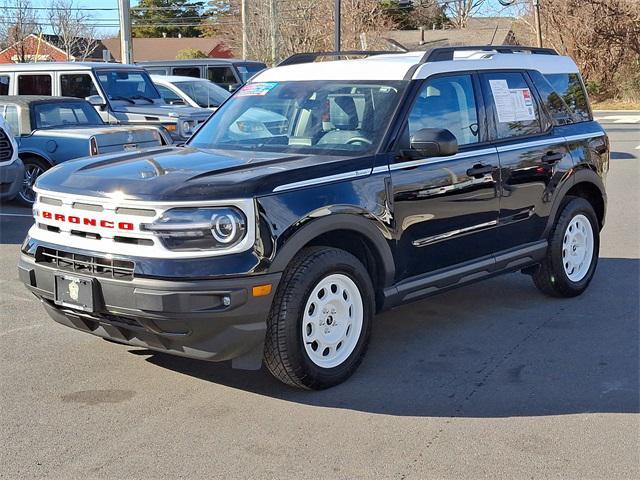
[{"x": 106, "y": 21}]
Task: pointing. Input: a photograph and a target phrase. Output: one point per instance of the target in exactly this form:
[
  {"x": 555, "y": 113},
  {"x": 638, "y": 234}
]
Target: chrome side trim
[
  {"x": 423, "y": 242},
  {"x": 536, "y": 143},
  {"x": 424, "y": 161},
  {"x": 585, "y": 136},
  {"x": 327, "y": 179}
]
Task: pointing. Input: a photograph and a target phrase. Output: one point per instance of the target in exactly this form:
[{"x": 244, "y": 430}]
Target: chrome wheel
[
  {"x": 31, "y": 173},
  {"x": 332, "y": 320},
  {"x": 577, "y": 248}
]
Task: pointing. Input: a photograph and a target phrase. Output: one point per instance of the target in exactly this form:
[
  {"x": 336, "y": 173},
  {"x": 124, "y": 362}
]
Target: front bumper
[
  {"x": 11, "y": 177},
  {"x": 189, "y": 318}
]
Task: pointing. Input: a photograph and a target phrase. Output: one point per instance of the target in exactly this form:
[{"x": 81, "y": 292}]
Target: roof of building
[
  {"x": 403, "y": 66},
  {"x": 165, "y": 48},
  {"x": 79, "y": 47},
  {"x": 479, "y": 31}
]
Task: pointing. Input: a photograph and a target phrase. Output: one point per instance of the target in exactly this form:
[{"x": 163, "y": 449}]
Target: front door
[{"x": 445, "y": 208}]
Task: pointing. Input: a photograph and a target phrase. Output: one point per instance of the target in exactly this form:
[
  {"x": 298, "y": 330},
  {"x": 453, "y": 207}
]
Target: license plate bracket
[{"x": 75, "y": 292}]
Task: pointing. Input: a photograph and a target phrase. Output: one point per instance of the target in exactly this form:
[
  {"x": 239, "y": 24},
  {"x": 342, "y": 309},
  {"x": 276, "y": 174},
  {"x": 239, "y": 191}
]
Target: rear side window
[
  {"x": 515, "y": 111},
  {"x": 34, "y": 85},
  {"x": 570, "y": 88},
  {"x": 223, "y": 76},
  {"x": 187, "y": 71},
  {"x": 79, "y": 85},
  {"x": 560, "y": 112},
  {"x": 4, "y": 84},
  {"x": 11, "y": 119}
]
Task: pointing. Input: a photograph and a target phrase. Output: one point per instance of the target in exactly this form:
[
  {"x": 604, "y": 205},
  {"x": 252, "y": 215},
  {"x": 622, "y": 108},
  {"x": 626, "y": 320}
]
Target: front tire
[
  {"x": 319, "y": 326},
  {"x": 573, "y": 250}
]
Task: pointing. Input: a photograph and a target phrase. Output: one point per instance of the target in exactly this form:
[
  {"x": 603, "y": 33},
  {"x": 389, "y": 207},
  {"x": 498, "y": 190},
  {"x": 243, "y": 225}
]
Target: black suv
[{"x": 320, "y": 194}]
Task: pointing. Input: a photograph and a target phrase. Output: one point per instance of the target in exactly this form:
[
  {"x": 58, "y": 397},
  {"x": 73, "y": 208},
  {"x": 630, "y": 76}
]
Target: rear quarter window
[{"x": 570, "y": 88}]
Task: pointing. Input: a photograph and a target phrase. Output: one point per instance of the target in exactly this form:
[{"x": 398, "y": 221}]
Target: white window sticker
[{"x": 512, "y": 104}]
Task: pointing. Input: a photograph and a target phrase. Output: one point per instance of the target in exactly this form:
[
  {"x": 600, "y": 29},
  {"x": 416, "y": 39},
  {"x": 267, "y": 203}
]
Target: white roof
[
  {"x": 396, "y": 66},
  {"x": 59, "y": 66}
]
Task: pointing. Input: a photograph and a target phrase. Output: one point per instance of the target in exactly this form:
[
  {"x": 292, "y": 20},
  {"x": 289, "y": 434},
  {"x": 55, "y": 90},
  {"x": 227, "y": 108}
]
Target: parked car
[
  {"x": 122, "y": 94},
  {"x": 51, "y": 130},
  {"x": 195, "y": 92},
  {"x": 396, "y": 177},
  {"x": 11, "y": 168},
  {"x": 227, "y": 73}
]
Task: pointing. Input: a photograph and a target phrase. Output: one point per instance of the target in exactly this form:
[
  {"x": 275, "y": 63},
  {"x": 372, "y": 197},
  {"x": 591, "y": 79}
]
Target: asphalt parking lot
[{"x": 489, "y": 381}]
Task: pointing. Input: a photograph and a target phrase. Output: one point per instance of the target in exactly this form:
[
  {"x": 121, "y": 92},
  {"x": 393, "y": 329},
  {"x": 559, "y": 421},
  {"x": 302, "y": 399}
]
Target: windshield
[
  {"x": 316, "y": 117},
  {"x": 204, "y": 93},
  {"x": 248, "y": 70},
  {"x": 67, "y": 114},
  {"x": 127, "y": 85}
]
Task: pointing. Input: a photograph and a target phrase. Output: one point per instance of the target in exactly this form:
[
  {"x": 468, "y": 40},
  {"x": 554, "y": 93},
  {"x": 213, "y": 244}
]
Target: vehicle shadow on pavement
[{"x": 495, "y": 349}]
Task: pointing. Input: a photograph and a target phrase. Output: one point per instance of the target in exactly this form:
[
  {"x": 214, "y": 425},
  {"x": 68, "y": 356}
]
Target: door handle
[
  {"x": 552, "y": 157},
  {"x": 479, "y": 170}
]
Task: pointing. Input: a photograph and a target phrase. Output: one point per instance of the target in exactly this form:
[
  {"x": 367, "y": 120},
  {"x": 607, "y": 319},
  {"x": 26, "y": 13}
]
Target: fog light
[{"x": 226, "y": 301}]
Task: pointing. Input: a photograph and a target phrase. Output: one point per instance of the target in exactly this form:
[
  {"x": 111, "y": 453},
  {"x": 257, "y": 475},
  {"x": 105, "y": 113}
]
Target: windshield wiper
[
  {"x": 142, "y": 97},
  {"x": 117, "y": 97}
]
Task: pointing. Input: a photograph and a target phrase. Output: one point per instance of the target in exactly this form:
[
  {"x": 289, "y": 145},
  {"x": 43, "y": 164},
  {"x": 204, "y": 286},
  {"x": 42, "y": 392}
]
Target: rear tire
[
  {"x": 572, "y": 255},
  {"x": 319, "y": 326},
  {"x": 33, "y": 168}
]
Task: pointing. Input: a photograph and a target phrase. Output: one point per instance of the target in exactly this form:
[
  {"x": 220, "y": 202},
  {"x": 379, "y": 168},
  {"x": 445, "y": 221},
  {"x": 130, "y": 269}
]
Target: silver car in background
[{"x": 195, "y": 92}]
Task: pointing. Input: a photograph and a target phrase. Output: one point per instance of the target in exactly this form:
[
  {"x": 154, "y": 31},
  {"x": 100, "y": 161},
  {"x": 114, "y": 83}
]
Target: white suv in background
[{"x": 11, "y": 167}]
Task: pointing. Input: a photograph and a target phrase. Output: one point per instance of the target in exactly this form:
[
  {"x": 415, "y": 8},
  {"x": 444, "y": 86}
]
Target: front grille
[
  {"x": 86, "y": 264},
  {"x": 6, "y": 150}
]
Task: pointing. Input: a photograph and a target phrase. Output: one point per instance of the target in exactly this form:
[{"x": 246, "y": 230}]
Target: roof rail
[
  {"x": 441, "y": 54},
  {"x": 310, "y": 57}
]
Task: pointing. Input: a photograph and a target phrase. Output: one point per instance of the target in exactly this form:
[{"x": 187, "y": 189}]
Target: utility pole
[
  {"x": 337, "y": 31},
  {"x": 126, "y": 52},
  {"x": 536, "y": 17},
  {"x": 245, "y": 43},
  {"x": 274, "y": 31}
]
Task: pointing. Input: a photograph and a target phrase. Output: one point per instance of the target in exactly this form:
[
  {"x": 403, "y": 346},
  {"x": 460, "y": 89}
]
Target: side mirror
[
  {"x": 434, "y": 142},
  {"x": 96, "y": 100}
]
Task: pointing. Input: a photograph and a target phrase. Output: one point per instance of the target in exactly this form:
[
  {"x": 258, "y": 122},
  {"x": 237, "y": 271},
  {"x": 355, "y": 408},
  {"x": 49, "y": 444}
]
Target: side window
[
  {"x": 447, "y": 102},
  {"x": 514, "y": 106},
  {"x": 79, "y": 85},
  {"x": 34, "y": 85},
  {"x": 569, "y": 87},
  {"x": 169, "y": 96},
  {"x": 223, "y": 76},
  {"x": 187, "y": 71},
  {"x": 4, "y": 84},
  {"x": 11, "y": 119}
]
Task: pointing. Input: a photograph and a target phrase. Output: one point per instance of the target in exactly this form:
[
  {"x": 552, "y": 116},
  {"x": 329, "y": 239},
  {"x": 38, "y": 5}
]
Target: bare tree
[
  {"x": 72, "y": 29},
  {"x": 18, "y": 21},
  {"x": 461, "y": 10}
]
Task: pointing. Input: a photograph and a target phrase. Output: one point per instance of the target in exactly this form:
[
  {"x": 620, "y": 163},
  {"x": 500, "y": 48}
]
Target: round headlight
[
  {"x": 224, "y": 227},
  {"x": 186, "y": 126}
]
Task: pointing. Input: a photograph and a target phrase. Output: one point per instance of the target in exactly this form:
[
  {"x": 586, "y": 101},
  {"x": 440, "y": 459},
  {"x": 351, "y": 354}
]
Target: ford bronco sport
[{"x": 320, "y": 194}]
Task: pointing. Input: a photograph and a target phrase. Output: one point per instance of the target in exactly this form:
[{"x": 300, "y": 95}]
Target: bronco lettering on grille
[{"x": 87, "y": 221}]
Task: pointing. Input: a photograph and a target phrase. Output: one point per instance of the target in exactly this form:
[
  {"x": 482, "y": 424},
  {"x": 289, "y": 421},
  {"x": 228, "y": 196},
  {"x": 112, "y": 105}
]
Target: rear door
[
  {"x": 446, "y": 208},
  {"x": 533, "y": 156}
]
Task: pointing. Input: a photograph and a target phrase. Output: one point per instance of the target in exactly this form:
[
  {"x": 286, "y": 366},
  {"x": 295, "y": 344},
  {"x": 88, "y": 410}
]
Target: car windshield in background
[
  {"x": 128, "y": 86},
  {"x": 67, "y": 114},
  {"x": 249, "y": 70},
  {"x": 315, "y": 117},
  {"x": 204, "y": 93}
]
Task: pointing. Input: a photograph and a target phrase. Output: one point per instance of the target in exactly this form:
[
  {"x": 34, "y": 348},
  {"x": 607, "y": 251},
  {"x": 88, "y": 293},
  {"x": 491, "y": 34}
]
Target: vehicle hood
[
  {"x": 162, "y": 110},
  {"x": 189, "y": 174}
]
